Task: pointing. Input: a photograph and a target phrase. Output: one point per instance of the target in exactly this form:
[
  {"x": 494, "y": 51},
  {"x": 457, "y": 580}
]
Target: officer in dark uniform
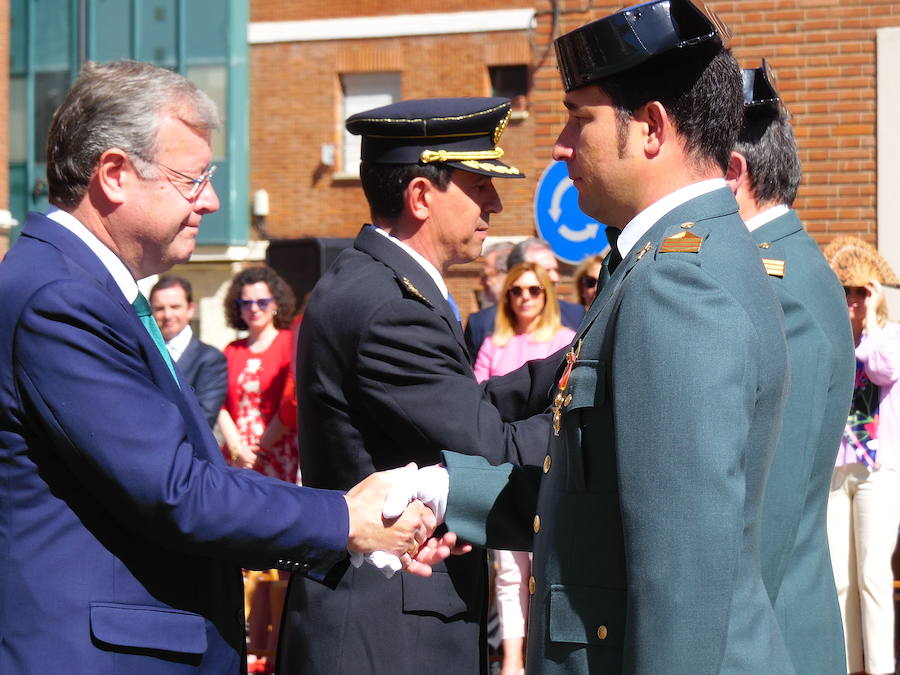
[{"x": 384, "y": 379}]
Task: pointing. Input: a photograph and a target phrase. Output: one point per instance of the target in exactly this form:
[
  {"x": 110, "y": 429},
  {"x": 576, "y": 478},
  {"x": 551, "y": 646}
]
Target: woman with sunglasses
[
  {"x": 261, "y": 303},
  {"x": 527, "y": 327},
  {"x": 587, "y": 275}
]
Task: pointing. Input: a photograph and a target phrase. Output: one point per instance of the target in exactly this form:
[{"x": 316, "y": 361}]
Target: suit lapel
[
  {"x": 52, "y": 233},
  {"x": 411, "y": 275}
]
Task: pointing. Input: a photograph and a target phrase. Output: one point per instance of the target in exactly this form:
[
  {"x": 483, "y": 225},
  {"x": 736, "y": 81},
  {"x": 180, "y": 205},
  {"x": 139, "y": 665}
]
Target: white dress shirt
[
  {"x": 419, "y": 258},
  {"x": 766, "y": 216},
  {"x": 178, "y": 344}
]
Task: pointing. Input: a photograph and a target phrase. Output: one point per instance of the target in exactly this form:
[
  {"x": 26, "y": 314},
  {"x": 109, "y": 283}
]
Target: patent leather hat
[{"x": 631, "y": 36}]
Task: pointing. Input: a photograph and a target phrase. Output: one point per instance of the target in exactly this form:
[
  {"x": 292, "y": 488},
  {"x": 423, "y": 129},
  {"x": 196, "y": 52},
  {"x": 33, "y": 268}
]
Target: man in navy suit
[
  {"x": 122, "y": 530},
  {"x": 202, "y": 366},
  {"x": 481, "y": 324}
]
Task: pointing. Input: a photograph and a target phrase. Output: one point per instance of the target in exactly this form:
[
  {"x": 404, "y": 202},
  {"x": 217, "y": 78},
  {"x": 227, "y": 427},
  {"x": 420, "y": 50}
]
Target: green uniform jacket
[
  {"x": 647, "y": 509},
  {"x": 796, "y": 565}
]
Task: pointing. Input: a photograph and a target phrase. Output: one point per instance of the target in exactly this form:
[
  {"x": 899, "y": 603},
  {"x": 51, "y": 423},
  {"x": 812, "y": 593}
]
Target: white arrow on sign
[
  {"x": 555, "y": 209},
  {"x": 589, "y": 231}
]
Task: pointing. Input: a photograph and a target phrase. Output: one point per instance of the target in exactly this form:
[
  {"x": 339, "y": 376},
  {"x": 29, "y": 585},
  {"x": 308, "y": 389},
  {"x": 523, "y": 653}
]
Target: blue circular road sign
[{"x": 571, "y": 233}]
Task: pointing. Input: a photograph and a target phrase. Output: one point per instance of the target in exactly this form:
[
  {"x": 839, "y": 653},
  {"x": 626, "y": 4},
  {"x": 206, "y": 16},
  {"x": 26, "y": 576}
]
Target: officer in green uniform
[
  {"x": 764, "y": 174},
  {"x": 644, "y": 517}
]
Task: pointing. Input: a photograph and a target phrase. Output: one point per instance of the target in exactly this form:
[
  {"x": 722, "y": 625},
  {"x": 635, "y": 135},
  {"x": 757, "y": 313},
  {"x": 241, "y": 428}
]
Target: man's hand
[{"x": 370, "y": 531}]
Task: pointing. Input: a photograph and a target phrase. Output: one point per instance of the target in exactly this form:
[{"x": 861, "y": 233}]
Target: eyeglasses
[
  {"x": 588, "y": 281},
  {"x": 262, "y": 303},
  {"x": 532, "y": 291},
  {"x": 197, "y": 184}
]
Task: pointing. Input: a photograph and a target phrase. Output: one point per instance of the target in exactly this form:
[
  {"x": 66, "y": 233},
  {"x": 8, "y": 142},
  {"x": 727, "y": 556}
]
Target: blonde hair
[
  {"x": 856, "y": 263},
  {"x": 548, "y": 322},
  {"x": 582, "y": 271}
]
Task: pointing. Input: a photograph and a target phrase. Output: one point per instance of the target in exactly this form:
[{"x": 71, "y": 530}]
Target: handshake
[{"x": 393, "y": 515}]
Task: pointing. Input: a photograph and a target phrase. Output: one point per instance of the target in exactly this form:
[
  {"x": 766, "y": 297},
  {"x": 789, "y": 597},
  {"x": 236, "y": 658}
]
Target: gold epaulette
[
  {"x": 683, "y": 242},
  {"x": 774, "y": 268},
  {"x": 415, "y": 292}
]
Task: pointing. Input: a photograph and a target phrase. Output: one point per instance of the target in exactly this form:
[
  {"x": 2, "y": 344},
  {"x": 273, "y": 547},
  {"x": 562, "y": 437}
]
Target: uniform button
[
  {"x": 531, "y": 585},
  {"x": 765, "y": 244},
  {"x": 547, "y": 463},
  {"x": 537, "y": 524},
  {"x": 686, "y": 226},
  {"x": 602, "y": 632}
]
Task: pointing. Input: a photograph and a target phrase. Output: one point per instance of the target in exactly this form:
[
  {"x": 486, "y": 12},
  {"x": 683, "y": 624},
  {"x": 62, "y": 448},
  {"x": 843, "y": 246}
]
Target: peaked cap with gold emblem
[{"x": 461, "y": 132}]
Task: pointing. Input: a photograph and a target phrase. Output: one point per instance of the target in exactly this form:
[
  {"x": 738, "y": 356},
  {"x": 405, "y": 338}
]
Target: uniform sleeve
[
  {"x": 82, "y": 370},
  {"x": 415, "y": 379},
  {"x": 685, "y": 386},
  {"x": 491, "y": 505}
]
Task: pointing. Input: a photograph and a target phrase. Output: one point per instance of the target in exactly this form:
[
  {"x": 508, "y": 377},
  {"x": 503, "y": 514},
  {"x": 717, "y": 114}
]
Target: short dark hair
[
  {"x": 170, "y": 281},
  {"x": 383, "y": 184},
  {"x": 281, "y": 292},
  {"x": 700, "y": 88},
  {"x": 766, "y": 141}
]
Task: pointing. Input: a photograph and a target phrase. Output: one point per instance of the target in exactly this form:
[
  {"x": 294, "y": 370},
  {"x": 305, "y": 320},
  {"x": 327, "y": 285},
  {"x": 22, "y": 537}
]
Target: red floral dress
[{"x": 257, "y": 385}]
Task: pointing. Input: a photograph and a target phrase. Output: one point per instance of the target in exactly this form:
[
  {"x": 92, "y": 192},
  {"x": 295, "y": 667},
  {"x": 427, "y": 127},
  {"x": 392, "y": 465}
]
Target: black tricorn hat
[
  {"x": 460, "y": 132},
  {"x": 759, "y": 87},
  {"x": 631, "y": 36}
]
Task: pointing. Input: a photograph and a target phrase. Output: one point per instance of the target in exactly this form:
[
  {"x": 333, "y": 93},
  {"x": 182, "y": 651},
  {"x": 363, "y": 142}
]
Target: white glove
[{"x": 430, "y": 485}]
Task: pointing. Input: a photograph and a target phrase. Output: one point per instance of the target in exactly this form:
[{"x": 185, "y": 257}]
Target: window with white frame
[{"x": 363, "y": 91}]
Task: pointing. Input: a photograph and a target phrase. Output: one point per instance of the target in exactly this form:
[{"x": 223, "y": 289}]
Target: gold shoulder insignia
[
  {"x": 774, "y": 268},
  {"x": 415, "y": 292},
  {"x": 683, "y": 242}
]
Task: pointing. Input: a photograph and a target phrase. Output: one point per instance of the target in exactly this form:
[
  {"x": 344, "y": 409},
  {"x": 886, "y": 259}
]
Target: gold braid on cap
[
  {"x": 429, "y": 156},
  {"x": 498, "y": 131}
]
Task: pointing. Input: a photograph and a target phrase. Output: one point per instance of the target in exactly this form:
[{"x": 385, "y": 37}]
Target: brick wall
[{"x": 823, "y": 52}]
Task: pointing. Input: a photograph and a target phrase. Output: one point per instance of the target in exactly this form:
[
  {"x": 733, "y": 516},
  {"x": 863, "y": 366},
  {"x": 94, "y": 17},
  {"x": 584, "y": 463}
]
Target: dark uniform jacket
[
  {"x": 384, "y": 379},
  {"x": 796, "y": 565},
  {"x": 644, "y": 518}
]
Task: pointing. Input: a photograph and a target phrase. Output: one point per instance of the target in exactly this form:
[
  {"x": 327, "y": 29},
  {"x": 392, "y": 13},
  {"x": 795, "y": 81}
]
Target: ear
[
  {"x": 418, "y": 198},
  {"x": 657, "y": 127},
  {"x": 737, "y": 175},
  {"x": 114, "y": 171},
  {"x": 191, "y": 308}
]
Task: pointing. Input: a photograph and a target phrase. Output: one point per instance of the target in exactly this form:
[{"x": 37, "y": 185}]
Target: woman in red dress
[{"x": 260, "y": 302}]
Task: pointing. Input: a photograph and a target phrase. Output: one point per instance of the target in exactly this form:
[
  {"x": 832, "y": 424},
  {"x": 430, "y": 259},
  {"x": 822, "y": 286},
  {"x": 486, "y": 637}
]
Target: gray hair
[
  {"x": 117, "y": 105},
  {"x": 502, "y": 248},
  {"x": 766, "y": 141},
  {"x": 520, "y": 251}
]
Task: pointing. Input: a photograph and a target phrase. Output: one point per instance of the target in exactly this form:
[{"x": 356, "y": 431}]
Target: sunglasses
[
  {"x": 532, "y": 291},
  {"x": 588, "y": 281},
  {"x": 262, "y": 303}
]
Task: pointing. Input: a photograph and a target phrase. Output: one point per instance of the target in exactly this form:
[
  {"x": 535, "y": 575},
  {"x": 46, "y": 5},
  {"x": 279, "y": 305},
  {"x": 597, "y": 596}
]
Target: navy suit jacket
[
  {"x": 122, "y": 531},
  {"x": 205, "y": 368},
  {"x": 481, "y": 324}
]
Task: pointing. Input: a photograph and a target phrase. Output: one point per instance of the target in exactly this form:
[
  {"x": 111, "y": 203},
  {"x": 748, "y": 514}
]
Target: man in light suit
[
  {"x": 201, "y": 365},
  {"x": 644, "y": 518},
  {"x": 122, "y": 530},
  {"x": 384, "y": 379},
  {"x": 764, "y": 173},
  {"x": 481, "y": 323}
]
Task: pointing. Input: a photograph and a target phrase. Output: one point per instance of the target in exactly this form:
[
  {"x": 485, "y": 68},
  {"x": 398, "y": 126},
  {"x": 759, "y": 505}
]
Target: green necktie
[{"x": 142, "y": 307}]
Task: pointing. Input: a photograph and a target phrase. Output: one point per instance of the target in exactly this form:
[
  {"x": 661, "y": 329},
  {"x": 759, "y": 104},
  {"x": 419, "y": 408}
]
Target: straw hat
[{"x": 856, "y": 262}]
